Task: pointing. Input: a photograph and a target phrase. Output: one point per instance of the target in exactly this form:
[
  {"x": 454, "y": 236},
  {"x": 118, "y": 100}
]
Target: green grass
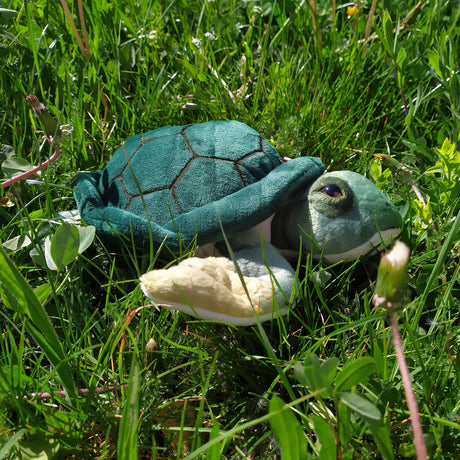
[{"x": 310, "y": 89}]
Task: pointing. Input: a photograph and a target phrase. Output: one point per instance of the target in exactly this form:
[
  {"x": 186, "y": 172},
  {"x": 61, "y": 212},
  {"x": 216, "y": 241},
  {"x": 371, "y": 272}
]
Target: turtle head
[{"x": 340, "y": 217}]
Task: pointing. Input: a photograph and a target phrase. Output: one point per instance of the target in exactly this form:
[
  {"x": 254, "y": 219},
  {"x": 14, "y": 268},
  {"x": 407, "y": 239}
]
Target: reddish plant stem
[
  {"x": 419, "y": 440},
  {"x": 368, "y": 26},
  {"x": 35, "y": 169}
]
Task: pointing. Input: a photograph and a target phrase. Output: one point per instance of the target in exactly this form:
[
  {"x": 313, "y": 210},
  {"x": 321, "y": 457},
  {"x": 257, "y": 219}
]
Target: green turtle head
[{"x": 340, "y": 217}]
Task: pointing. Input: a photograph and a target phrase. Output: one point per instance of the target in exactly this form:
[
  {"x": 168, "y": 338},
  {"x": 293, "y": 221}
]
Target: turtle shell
[{"x": 178, "y": 183}]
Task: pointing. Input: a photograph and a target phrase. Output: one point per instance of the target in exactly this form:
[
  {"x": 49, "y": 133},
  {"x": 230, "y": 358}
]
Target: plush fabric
[{"x": 180, "y": 183}]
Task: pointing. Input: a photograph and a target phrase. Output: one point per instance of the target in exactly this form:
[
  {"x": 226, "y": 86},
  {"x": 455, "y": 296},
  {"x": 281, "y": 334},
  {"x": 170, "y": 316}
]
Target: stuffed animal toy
[{"x": 199, "y": 182}]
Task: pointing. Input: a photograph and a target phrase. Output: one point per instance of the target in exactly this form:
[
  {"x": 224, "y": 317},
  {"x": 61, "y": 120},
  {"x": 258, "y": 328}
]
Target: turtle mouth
[{"x": 378, "y": 242}]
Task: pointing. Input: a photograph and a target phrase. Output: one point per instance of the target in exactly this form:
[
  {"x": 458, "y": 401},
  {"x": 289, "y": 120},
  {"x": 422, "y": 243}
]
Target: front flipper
[{"x": 211, "y": 288}]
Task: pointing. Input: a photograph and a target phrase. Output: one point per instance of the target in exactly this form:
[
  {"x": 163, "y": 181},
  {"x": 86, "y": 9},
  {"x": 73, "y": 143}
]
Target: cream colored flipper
[{"x": 211, "y": 288}]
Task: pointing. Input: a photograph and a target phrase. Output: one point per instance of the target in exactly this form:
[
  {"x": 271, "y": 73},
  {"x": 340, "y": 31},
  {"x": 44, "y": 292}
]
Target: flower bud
[
  {"x": 49, "y": 124},
  {"x": 392, "y": 276},
  {"x": 395, "y": 166}
]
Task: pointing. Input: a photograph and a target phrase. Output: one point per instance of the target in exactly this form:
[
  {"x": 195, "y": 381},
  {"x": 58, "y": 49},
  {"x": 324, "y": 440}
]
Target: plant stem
[
  {"x": 368, "y": 26},
  {"x": 52, "y": 130},
  {"x": 84, "y": 50},
  {"x": 419, "y": 440},
  {"x": 34, "y": 170}
]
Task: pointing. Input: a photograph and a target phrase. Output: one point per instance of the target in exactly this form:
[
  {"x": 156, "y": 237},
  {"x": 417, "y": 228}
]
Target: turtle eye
[{"x": 332, "y": 190}]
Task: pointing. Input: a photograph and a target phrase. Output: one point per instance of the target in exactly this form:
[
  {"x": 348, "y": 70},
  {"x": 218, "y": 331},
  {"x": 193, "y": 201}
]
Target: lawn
[{"x": 90, "y": 369}]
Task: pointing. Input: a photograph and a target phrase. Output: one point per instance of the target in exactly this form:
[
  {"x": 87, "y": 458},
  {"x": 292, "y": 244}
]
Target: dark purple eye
[{"x": 332, "y": 190}]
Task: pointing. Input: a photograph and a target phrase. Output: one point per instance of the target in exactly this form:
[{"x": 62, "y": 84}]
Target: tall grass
[{"x": 314, "y": 81}]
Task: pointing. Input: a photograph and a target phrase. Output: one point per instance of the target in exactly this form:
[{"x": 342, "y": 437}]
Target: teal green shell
[{"x": 178, "y": 183}]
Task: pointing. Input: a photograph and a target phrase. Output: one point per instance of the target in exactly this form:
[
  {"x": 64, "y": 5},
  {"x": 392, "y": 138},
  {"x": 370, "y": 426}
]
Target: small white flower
[
  {"x": 210, "y": 36},
  {"x": 150, "y": 35},
  {"x": 197, "y": 42}
]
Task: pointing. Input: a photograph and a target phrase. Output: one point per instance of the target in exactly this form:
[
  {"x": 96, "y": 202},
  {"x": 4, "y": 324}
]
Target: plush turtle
[{"x": 177, "y": 185}]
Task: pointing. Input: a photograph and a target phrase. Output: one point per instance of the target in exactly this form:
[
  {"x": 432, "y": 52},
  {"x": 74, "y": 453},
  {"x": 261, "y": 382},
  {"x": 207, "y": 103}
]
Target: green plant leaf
[
  {"x": 87, "y": 235},
  {"x": 360, "y": 405},
  {"x": 19, "y": 296},
  {"x": 326, "y": 438},
  {"x": 14, "y": 166},
  {"x": 43, "y": 292},
  {"x": 387, "y": 35},
  {"x": 60, "y": 420},
  {"x": 407, "y": 450},
  {"x": 39, "y": 447},
  {"x": 49, "y": 261},
  {"x": 344, "y": 427},
  {"x": 127, "y": 447},
  {"x": 37, "y": 257},
  {"x": 6, "y": 151},
  {"x": 315, "y": 380},
  {"x": 214, "y": 452},
  {"x": 381, "y": 435},
  {"x": 299, "y": 374},
  {"x": 329, "y": 369},
  {"x": 17, "y": 243},
  {"x": 354, "y": 372},
  {"x": 6, "y": 15},
  {"x": 13, "y": 441},
  {"x": 320, "y": 374},
  {"x": 64, "y": 246},
  {"x": 321, "y": 277},
  {"x": 288, "y": 430},
  {"x": 433, "y": 58},
  {"x": 401, "y": 59}
]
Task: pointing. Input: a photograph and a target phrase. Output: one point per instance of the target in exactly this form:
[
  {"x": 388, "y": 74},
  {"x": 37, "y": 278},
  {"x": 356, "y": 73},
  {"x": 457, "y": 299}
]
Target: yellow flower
[{"x": 352, "y": 11}]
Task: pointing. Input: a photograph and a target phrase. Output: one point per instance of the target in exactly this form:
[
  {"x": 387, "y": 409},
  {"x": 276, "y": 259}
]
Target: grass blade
[
  {"x": 128, "y": 434},
  {"x": 19, "y": 296},
  {"x": 448, "y": 242},
  {"x": 4, "y": 451}
]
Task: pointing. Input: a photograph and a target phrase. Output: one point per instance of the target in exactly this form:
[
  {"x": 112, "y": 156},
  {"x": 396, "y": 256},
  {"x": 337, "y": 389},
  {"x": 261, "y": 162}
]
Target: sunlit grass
[{"x": 309, "y": 88}]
